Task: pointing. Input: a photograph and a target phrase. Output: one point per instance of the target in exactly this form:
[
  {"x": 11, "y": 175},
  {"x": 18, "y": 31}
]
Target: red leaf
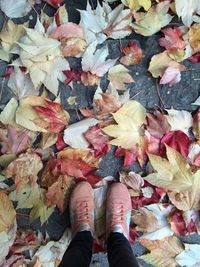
[
  {"x": 8, "y": 72},
  {"x": 60, "y": 144},
  {"x": 177, "y": 222},
  {"x": 173, "y": 39},
  {"x": 130, "y": 156},
  {"x": 177, "y": 140},
  {"x": 72, "y": 75},
  {"x": 195, "y": 58},
  {"x": 54, "y": 3},
  {"x": 53, "y": 117},
  {"x": 133, "y": 54},
  {"x": 89, "y": 79}
]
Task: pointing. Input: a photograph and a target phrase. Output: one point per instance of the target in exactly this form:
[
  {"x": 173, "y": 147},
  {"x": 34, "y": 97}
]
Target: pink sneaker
[
  {"x": 82, "y": 208},
  {"x": 119, "y": 208}
]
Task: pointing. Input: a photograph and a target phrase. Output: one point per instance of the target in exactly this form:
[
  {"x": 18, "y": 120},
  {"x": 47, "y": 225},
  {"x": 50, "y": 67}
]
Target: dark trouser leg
[
  {"x": 79, "y": 252},
  {"x": 120, "y": 253}
]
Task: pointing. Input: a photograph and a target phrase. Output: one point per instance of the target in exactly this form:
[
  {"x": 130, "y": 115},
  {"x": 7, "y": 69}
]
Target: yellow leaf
[
  {"x": 119, "y": 76},
  {"x": 10, "y": 34},
  {"x": 137, "y": 4},
  {"x": 160, "y": 62},
  {"x": 7, "y": 213},
  {"x": 129, "y": 118},
  {"x": 172, "y": 174},
  {"x": 194, "y": 37},
  {"x": 7, "y": 116},
  {"x": 151, "y": 22},
  {"x": 162, "y": 252}
]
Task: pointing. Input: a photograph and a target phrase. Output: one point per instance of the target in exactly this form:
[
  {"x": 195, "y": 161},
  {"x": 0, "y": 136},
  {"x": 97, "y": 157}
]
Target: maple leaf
[
  {"x": 15, "y": 9},
  {"x": 47, "y": 140},
  {"x": 54, "y": 3},
  {"x": 195, "y": 58},
  {"x": 194, "y": 37},
  {"x": 172, "y": 174},
  {"x": 151, "y": 22},
  {"x": 71, "y": 37},
  {"x": 7, "y": 213},
  {"x": 173, "y": 39},
  {"x": 24, "y": 169},
  {"x": 13, "y": 141},
  {"x": 177, "y": 222},
  {"x": 152, "y": 220},
  {"x": 59, "y": 192},
  {"x": 185, "y": 10},
  {"x": 160, "y": 62},
  {"x": 157, "y": 124},
  {"x": 135, "y": 5},
  {"x": 133, "y": 54},
  {"x": 190, "y": 256},
  {"x": 194, "y": 154},
  {"x": 95, "y": 62},
  {"x": 162, "y": 252},
  {"x": 130, "y": 118},
  {"x": 176, "y": 140},
  {"x": 179, "y": 120},
  {"x": 72, "y": 75},
  {"x": 196, "y": 124},
  {"x": 98, "y": 140},
  {"x": 10, "y": 34},
  {"x": 41, "y": 114},
  {"x": 133, "y": 181},
  {"x": 21, "y": 84},
  {"x": 119, "y": 76},
  {"x": 106, "y": 22},
  {"x": 171, "y": 76},
  {"x": 74, "y": 134},
  {"x": 42, "y": 58}
]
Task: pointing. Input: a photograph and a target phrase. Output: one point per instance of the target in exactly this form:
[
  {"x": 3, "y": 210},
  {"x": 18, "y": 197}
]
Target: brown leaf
[
  {"x": 133, "y": 54},
  {"x": 24, "y": 169},
  {"x": 59, "y": 192},
  {"x": 73, "y": 47},
  {"x": 48, "y": 139},
  {"x": 157, "y": 124},
  {"x": 7, "y": 212}
]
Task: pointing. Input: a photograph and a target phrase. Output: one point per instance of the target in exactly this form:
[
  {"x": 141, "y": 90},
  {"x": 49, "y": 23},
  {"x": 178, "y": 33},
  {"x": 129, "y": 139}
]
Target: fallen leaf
[
  {"x": 42, "y": 58},
  {"x": 133, "y": 54},
  {"x": 157, "y": 124},
  {"x": 10, "y": 34},
  {"x": 134, "y": 182},
  {"x": 15, "y": 9},
  {"x": 24, "y": 169},
  {"x": 7, "y": 213},
  {"x": 74, "y": 134},
  {"x": 185, "y": 10},
  {"x": 157, "y": 17},
  {"x": 195, "y": 58},
  {"x": 21, "y": 84},
  {"x": 160, "y": 62},
  {"x": 98, "y": 140},
  {"x": 196, "y": 124},
  {"x": 40, "y": 114},
  {"x": 172, "y": 39},
  {"x": 190, "y": 256},
  {"x": 171, "y": 76},
  {"x": 119, "y": 76},
  {"x": 129, "y": 118},
  {"x": 162, "y": 252},
  {"x": 194, "y": 154},
  {"x": 48, "y": 140},
  {"x": 179, "y": 120},
  {"x": 176, "y": 140},
  {"x": 135, "y": 5},
  {"x": 54, "y": 3},
  {"x": 59, "y": 192},
  {"x": 72, "y": 75},
  {"x": 194, "y": 36},
  {"x": 177, "y": 222},
  {"x": 7, "y": 116},
  {"x": 172, "y": 174},
  {"x": 95, "y": 61}
]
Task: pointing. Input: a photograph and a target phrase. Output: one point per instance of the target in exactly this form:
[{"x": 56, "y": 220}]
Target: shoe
[
  {"x": 82, "y": 208},
  {"x": 118, "y": 215}
]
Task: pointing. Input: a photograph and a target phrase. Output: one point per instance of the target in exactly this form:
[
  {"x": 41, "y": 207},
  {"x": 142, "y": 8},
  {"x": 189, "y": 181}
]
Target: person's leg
[
  {"x": 117, "y": 223},
  {"x": 79, "y": 252},
  {"x": 120, "y": 252}
]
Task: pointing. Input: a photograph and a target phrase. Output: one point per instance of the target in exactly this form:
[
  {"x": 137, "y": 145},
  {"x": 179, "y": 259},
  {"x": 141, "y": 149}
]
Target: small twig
[
  {"x": 197, "y": 79},
  {"x": 137, "y": 94},
  {"x": 159, "y": 96}
]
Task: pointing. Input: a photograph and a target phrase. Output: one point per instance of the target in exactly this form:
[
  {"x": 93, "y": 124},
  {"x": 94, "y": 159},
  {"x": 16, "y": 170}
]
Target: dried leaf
[
  {"x": 15, "y": 9},
  {"x": 190, "y": 256},
  {"x": 185, "y": 10},
  {"x": 163, "y": 252},
  {"x": 128, "y": 131},
  {"x": 119, "y": 76},
  {"x": 24, "y": 169},
  {"x": 133, "y": 181},
  {"x": 171, "y": 76},
  {"x": 7, "y": 116},
  {"x": 133, "y": 54},
  {"x": 151, "y": 22},
  {"x": 135, "y": 5},
  {"x": 194, "y": 36}
]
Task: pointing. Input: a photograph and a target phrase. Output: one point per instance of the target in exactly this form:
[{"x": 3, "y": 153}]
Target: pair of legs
[{"x": 118, "y": 215}]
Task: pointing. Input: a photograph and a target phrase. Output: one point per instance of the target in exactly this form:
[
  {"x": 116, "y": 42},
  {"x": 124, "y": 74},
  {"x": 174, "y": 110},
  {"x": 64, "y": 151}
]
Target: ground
[{"x": 144, "y": 90}]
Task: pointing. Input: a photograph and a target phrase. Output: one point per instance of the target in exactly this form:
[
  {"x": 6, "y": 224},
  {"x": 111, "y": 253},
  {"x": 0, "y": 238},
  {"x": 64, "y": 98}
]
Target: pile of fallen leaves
[{"x": 43, "y": 155}]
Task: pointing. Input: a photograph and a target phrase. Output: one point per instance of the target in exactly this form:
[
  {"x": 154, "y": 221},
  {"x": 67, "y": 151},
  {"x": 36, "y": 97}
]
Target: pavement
[{"x": 144, "y": 90}]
